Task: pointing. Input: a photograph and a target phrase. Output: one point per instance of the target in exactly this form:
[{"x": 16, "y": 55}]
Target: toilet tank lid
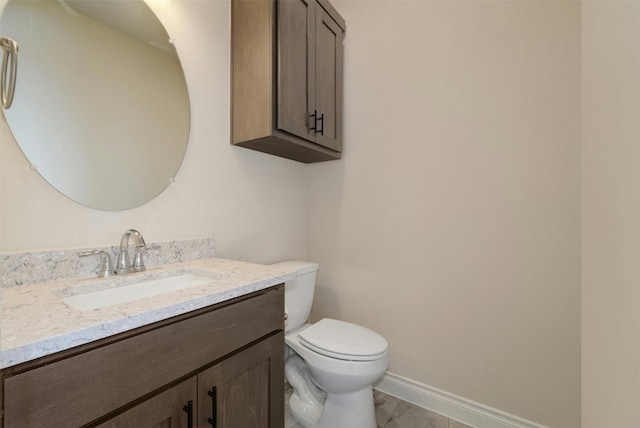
[{"x": 298, "y": 266}]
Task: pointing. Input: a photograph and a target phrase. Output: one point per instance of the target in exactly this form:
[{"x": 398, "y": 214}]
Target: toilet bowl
[{"x": 332, "y": 364}]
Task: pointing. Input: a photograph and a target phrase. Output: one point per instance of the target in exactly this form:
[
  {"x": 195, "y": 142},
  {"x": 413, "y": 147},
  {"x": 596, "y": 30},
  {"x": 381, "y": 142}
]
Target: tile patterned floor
[{"x": 391, "y": 412}]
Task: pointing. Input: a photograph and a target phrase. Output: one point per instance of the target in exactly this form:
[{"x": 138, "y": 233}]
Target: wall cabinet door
[
  {"x": 309, "y": 73},
  {"x": 296, "y": 67},
  {"x": 328, "y": 81},
  {"x": 173, "y": 408},
  {"x": 238, "y": 389}
]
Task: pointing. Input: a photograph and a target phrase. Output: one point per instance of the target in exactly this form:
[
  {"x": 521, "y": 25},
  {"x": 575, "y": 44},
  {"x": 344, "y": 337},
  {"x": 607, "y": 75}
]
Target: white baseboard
[{"x": 461, "y": 409}]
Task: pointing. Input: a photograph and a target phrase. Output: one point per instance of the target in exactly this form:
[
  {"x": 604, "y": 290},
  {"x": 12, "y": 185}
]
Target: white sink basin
[{"x": 114, "y": 293}]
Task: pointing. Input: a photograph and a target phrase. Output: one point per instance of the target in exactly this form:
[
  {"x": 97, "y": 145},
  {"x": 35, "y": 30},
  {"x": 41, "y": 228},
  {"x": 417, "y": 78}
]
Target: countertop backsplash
[{"x": 24, "y": 268}]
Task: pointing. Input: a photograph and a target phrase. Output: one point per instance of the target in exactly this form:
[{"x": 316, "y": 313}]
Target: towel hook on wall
[{"x": 8, "y": 71}]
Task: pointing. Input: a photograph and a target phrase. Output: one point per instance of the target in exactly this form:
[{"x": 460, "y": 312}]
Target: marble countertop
[{"x": 35, "y": 321}]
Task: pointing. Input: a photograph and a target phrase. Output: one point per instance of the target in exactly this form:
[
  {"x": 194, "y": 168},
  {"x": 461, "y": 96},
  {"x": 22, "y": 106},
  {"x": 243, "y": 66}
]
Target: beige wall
[
  {"x": 610, "y": 214},
  {"x": 254, "y": 205},
  {"x": 452, "y": 225}
]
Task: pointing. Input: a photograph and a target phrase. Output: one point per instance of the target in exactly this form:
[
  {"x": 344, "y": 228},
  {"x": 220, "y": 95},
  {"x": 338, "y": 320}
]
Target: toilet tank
[{"x": 298, "y": 292}]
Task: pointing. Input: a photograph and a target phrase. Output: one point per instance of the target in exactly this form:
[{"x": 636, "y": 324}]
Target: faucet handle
[
  {"x": 106, "y": 269},
  {"x": 123, "y": 263},
  {"x": 138, "y": 261}
]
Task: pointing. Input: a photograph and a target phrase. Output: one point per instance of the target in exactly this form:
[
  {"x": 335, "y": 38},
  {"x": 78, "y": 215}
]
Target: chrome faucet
[{"x": 124, "y": 263}]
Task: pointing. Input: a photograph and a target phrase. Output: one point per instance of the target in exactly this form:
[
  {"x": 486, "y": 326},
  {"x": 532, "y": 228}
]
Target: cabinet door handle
[
  {"x": 189, "y": 409},
  {"x": 312, "y": 116},
  {"x": 214, "y": 405},
  {"x": 321, "y": 119}
]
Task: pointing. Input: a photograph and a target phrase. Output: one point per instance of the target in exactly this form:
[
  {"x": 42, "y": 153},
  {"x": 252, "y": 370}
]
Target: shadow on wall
[{"x": 327, "y": 299}]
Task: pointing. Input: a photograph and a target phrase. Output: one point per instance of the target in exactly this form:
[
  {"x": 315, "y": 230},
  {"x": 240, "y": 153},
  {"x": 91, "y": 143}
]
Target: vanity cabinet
[
  {"x": 287, "y": 83},
  {"x": 226, "y": 359}
]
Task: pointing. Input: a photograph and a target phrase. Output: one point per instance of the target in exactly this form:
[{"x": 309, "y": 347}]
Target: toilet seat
[{"x": 343, "y": 340}]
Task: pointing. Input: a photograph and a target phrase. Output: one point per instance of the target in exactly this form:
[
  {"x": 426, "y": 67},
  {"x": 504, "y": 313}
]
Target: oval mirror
[{"x": 101, "y": 107}]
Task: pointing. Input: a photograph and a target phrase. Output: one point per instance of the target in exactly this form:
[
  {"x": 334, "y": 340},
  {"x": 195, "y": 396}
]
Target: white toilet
[{"x": 331, "y": 364}]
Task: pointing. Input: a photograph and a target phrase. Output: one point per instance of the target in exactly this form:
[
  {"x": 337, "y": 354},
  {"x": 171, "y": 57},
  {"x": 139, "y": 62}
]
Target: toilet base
[
  {"x": 348, "y": 402},
  {"x": 354, "y": 409},
  {"x": 314, "y": 408}
]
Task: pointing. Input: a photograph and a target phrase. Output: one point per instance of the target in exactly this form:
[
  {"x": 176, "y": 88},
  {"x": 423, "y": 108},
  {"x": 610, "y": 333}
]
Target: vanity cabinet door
[
  {"x": 236, "y": 392},
  {"x": 173, "y": 408}
]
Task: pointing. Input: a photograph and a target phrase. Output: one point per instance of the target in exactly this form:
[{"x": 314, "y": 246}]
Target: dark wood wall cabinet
[
  {"x": 287, "y": 85},
  {"x": 217, "y": 367}
]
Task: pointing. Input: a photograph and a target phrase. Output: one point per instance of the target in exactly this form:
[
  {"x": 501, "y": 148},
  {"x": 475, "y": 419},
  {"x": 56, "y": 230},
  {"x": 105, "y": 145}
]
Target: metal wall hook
[{"x": 9, "y": 71}]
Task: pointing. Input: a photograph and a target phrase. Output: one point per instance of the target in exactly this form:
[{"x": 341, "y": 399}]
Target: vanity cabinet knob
[
  {"x": 213, "y": 393},
  {"x": 189, "y": 409}
]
